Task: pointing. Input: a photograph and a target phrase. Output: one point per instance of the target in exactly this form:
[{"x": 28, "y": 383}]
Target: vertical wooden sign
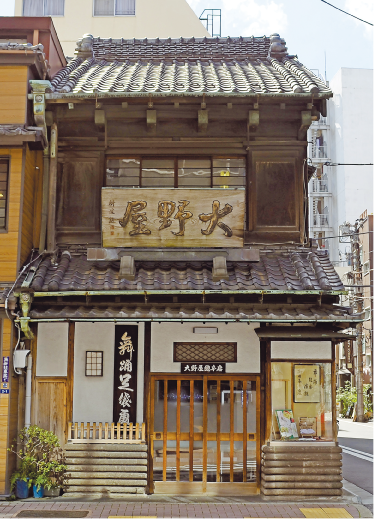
[{"x": 125, "y": 374}]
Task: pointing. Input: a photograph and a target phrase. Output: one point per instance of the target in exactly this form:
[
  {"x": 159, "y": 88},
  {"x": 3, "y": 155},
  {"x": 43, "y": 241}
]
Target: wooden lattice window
[
  {"x": 94, "y": 363},
  {"x": 205, "y": 352}
]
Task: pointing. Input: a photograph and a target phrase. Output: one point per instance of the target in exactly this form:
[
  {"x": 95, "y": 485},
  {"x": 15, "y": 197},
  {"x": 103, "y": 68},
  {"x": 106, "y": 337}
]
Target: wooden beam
[
  {"x": 51, "y": 220},
  {"x": 253, "y": 120},
  {"x": 151, "y": 119},
  {"x": 306, "y": 121},
  {"x": 202, "y": 121}
]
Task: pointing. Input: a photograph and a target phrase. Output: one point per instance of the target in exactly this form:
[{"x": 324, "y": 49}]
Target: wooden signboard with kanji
[{"x": 172, "y": 217}]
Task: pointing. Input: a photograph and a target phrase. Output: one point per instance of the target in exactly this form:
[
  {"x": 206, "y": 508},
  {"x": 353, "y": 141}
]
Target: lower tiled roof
[
  {"x": 278, "y": 313},
  {"x": 279, "y": 271}
]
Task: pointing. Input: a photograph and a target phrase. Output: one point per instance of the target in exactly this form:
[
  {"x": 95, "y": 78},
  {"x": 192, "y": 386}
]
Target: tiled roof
[
  {"x": 278, "y": 313},
  {"x": 283, "y": 271},
  {"x": 231, "y": 66}
]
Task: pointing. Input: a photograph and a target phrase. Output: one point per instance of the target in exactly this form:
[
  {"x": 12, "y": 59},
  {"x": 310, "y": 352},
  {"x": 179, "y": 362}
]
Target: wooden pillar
[
  {"x": 268, "y": 409},
  {"x": 333, "y": 392},
  {"x": 51, "y": 219},
  {"x": 70, "y": 374},
  {"x": 147, "y": 399}
]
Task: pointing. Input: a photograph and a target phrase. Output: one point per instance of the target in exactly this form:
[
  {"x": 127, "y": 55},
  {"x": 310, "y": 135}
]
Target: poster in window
[
  {"x": 125, "y": 374},
  {"x": 286, "y": 424},
  {"x": 307, "y": 383}
]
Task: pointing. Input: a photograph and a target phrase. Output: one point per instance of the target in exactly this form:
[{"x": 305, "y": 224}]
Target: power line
[
  {"x": 345, "y": 12},
  {"x": 343, "y": 164},
  {"x": 342, "y": 236}
]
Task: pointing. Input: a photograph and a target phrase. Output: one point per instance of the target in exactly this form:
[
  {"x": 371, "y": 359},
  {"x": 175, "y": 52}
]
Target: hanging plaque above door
[{"x": 172, "y": 217}]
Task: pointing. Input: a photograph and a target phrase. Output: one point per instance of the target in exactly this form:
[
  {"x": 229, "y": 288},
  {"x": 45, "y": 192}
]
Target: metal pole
[
  {"x": 28, "y": 392},
  {"x": 357, "y": 276}
]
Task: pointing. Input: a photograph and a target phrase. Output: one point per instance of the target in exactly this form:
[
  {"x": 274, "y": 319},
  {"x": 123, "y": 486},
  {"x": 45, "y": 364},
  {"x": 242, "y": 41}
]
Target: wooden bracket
[
  {"x": 306, "y": 121},
  {"x": 202, "y": 120},
  {"x": 100, "y": 118},
  {"x": 127, "y": 268},
  {"x": 253, "y": 120},
  {"x": 151, "y": 119},
  {"x": 219, "y": 269}
]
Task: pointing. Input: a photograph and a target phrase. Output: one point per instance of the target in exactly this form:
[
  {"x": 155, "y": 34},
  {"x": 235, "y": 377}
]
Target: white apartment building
[
  {"x": 115, "y": 19},
  {"x": 340, "y": 143}
]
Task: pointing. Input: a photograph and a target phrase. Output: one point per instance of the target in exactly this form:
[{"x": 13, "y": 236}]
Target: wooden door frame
[{"x": 191, "y": 487}]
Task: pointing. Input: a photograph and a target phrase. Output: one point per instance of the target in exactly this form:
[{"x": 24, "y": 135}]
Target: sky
[{"x": 312, "y": 29}]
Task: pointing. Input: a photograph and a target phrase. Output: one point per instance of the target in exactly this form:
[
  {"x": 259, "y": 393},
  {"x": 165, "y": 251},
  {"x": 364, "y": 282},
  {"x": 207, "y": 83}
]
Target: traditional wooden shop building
[
  {"x": 182, "y": 325},
  {"x": 29, "y": 50}
]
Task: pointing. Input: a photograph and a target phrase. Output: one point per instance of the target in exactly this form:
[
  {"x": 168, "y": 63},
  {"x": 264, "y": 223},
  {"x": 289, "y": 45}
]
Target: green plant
[
  {"x": 347, "y": 396},
  {"x": 41, "y": 460}
]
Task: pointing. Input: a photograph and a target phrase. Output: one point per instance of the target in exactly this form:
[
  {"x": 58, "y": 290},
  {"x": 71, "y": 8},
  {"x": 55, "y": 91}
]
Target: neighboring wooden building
[
  {"x": 22, "y": 59},
  {"x": 180, "y": 291}
]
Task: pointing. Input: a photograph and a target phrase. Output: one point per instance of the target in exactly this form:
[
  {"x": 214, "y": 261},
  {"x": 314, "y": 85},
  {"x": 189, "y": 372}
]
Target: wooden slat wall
[
  {"x": 13, "y": 94},
  {"x": 9, "y": 240},
  {"x": 32, "y": 203}
]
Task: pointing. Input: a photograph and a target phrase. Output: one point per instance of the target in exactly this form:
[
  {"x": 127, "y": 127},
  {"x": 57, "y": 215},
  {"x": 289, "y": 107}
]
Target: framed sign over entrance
[{"x": 172, "y": 217}]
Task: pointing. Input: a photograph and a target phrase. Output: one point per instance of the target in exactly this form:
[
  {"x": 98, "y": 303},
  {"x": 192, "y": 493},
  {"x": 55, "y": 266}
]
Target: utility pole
[{"x": 359, "y": 306}]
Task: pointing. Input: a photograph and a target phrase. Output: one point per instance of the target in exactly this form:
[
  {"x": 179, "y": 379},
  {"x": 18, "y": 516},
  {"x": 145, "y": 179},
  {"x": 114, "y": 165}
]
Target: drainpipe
[
  {"x": 43, "y": 226},
  {"x": 28, "y": 393}
]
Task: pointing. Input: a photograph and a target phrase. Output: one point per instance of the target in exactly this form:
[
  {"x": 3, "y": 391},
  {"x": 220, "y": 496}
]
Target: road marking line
[
  {"x": 317, "y": 513},
  {"x": 358, "y": 454},
  {"x": 336, "y": 512}
]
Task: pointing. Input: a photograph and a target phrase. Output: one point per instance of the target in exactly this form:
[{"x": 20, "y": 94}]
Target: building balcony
[
  {"x": 319, "y": 152},
  {"x": 320, "y": 220},
  {"x": 319, "y": 186}
]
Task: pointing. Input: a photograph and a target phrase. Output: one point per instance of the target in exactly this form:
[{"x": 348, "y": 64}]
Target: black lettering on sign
[{"x": 125, "y": 374}]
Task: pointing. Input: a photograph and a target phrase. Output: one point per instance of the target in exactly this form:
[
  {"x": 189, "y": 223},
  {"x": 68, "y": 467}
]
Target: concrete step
[
  {"x": 106, "y": 454},
  {"x": 105, "y": 491},
  {"x": 123, "y": 462},
  {"x": 91, "y": 482},
  {"x": 106, "y": 447},
  {"x": 110, "y": 475},
  {"x": 93, "y": 468}
]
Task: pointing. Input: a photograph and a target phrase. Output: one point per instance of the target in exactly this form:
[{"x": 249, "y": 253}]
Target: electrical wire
[
  {"x": 348, "y": 236},
  {"x": 345, "y": 164},
  {"x": 345, "y": 12}
]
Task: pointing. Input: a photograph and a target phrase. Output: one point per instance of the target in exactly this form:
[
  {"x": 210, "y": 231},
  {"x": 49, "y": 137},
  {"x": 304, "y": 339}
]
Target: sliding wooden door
[{"x": 204, "y": 434}]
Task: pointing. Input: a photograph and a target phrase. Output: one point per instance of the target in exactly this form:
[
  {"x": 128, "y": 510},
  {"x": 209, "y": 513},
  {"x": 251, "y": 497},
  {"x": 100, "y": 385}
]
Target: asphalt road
[{"x": 356, "y": 439}]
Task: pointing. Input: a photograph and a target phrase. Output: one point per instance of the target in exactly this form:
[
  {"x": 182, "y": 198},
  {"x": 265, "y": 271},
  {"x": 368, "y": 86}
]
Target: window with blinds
[
  {"x": 4, "y": 184},
  {"x": 43, "y": 7},
  {"x": 114, "y": 7},
  {"x": 224, "y": 173}
]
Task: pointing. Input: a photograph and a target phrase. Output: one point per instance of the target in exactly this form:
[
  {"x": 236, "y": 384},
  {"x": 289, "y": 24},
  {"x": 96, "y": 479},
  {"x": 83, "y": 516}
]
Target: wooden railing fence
[{"x": 80, "y": 432}]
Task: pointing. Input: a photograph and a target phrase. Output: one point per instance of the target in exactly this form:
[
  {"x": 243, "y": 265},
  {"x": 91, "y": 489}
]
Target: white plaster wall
[
  {"x": 153, "y": 19},
  {"x": 52, "y": 350},
  {"x": 93, "y": 396},
  {"x": 301, "y": 350},
  {"x": 165, "y": 334}
]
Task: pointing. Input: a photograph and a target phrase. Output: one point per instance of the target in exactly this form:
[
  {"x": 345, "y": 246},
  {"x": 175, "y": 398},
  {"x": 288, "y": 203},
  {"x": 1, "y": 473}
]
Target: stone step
[
  {"x": 106, "y": 454},
  {"x": 109, "y": 475},
  {"x": 92, "y": 468},
  {"x": 301, "y": 484},
  {"x": 105, "y": 491},
  {"x": 123, "y": 462},
  {"x": 318, "y": 456},
  {"x": 301, "y": 477},
  {"x": 334, "y": 449},
  {"x": 301, "y": 470},
  {"x": 301, "y": 463},
  {"x": 106, "y": 447},
  {"x": 106, "y": 483}
]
